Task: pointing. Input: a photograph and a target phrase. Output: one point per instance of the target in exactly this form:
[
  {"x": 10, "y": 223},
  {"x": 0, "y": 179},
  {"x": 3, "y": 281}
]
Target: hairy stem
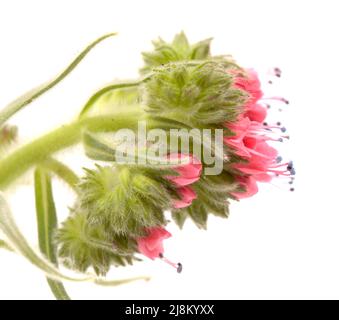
[{"x": 21, "y": 160}]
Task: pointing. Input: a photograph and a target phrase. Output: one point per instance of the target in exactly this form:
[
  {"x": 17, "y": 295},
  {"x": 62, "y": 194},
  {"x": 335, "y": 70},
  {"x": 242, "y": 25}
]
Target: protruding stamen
[
  {"x": 281, "y": 99},
  {"x": 177, "y": 266}
]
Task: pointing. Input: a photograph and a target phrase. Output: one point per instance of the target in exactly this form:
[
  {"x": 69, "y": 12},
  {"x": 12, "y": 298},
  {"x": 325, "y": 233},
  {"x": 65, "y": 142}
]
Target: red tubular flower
[
  {"x": 250, "y": 138},
  {"x": 188, "y": 173},
  {"x": 151, "y": 245},
  {"x": 187, "y": 195}
]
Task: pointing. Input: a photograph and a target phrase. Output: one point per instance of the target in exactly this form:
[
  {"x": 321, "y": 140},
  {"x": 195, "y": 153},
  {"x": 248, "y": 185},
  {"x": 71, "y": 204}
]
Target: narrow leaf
[
  {"x": 33, "y": 94},
  {"x": 105, "y": 90},
  {"x": 47, "y": 224}
]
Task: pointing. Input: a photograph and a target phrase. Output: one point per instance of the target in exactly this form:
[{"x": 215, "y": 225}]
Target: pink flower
[
  {"x": 256, "y": 112},
  {"x": 251, "y": 84},
  {"x": 151, "y": 245},
  {"x": 250, "y": 136},
  {"x": 237, "y": 141},
  {"x": 187, "y": 196},
  {"x": 189, "y": 173},
  {"x": 261, "y": 163}
]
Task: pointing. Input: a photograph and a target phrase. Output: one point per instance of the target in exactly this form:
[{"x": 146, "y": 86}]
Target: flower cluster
[
  {"x": 250, "y": 139},
  {"x": 181, "y": 143},
  {"x": 120, "y": 211}
]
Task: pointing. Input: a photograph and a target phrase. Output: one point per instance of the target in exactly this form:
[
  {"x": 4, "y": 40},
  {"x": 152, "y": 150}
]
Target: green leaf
[
  {"x": 33, "y": 94},
  {"x": 62, "y": 171},
  {"x": 97, "y": 149},
  {"x": 201, "y": 50},
  {"x": 19, "y": 243},
  {"x": 105, "y": 90},
  {"x": 47, "y": 224}
]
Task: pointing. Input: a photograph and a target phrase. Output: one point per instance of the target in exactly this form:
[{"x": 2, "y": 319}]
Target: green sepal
[
  {"x": 213, "y": 193},
  {"x": 85, "y": 243},
  {"x": 178, "y": 50}
]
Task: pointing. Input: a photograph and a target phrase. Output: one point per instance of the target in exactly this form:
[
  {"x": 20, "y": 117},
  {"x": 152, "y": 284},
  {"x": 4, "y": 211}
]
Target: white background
[{"x": 274, "y": 245}]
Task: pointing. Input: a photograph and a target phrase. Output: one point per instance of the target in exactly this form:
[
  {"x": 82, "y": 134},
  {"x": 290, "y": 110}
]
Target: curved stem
[
  {"x": 33, "y": 94},
  {"x": 18, "y": 162}
]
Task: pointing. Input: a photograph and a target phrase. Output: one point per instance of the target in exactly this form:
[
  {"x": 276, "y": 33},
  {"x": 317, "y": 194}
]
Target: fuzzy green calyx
[
  {"x": 115, "y": 206},
  {"x": 128, "y": 200},
  {"x": 213, "y": 193},
  {"x": 178, "y": 50},
  {"x": 197, "y": 95},
  {"x": 83, "y": 244}
]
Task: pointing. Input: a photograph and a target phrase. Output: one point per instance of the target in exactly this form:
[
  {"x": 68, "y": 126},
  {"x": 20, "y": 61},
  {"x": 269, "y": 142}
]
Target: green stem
[{"x": 21, "y": 160}]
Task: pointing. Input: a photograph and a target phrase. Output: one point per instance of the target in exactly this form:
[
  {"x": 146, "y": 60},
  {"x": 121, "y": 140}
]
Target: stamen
[
  {"x": 277, "y": 98},
  {"x": 177, "y": 266}
]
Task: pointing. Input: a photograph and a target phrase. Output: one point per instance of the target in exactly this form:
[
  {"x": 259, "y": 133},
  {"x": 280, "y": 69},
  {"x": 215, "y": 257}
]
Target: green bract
[
  {"x": 198, "y": 95},
  {"x": 127, "y": 200},
  {"x": 178, "y": 50}
]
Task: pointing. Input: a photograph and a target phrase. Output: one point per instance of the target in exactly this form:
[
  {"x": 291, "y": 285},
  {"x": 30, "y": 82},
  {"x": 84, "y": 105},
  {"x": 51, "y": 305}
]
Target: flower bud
[
  {"x": 84, "y": 244},
  {"x": 178, "y": 50},
  {"x": 195, "y": 95},
  {"x": 127, "y": 199}
]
